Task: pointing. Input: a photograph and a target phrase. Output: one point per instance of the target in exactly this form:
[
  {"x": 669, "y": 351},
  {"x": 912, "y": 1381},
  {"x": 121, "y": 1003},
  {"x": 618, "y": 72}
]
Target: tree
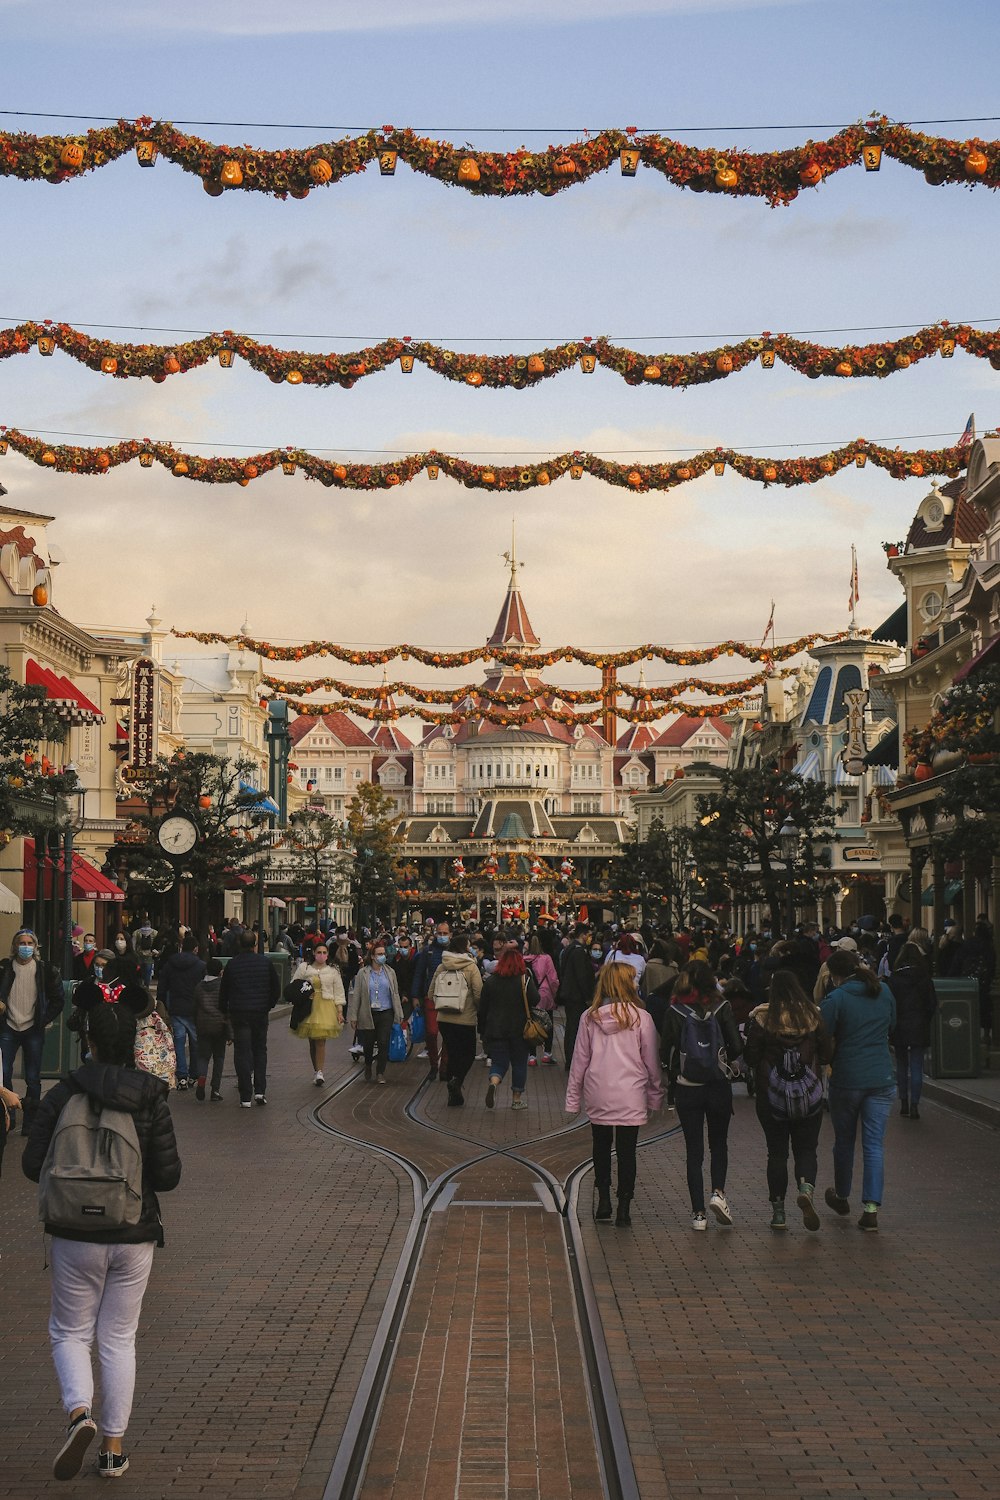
[
  {"x": 966, "y": 723},
  {"x": 372, "y": 827},
  {"x": 28, "y": 721},
  {"x": 735, "y": 841},
  {"x": 314, "y": 846},
  {"x": 656, "y": 872},
  {"x": 234, "y": 830}
]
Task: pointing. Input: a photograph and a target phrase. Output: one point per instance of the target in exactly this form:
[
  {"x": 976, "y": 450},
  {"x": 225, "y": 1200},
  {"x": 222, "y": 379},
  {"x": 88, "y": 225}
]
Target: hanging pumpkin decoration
[
  {"x": 294, "y": 377},
  {"x": 902, "y": 361},
  {"x": 250, "y": 471},
  {"x": 473, "y": 378},
  {"x": 103, "y": 461},
  {"x": 684, "y": 473},
  {"x": 72, "y": 154},
  {"x": 826, "y": 465},
  {"x": 489, "y": 477},
  {"x": 109, "y": 365},
  {"x": 320, "y": 170},
  {"x": 339, "y": 472},
  {"x": 726, "y": 177},
  {"x": 468, "y": 169},
  {"x": 635, "y": 479},
  {"x": 48, "y": 457},
  {"x": 724, "y": 364},
  {"x": 564, "y": 166},
  {"x": 392, "y": 479},
  {"x": 231, "y": 174},
  {"x": 976, "y": 163},
  {"x": 180, "y": 467},
  {"x": 811, "y": 174},
  {"x": 543, "y": 477},
  {"x": 536, "y": 364},
  {"x": 204, "y": 801},
  {"x": 767, "y": 358},
  {"x": 652, "y": 372},
  {"x": 171, "y": 365},
  {"x": 770, "y": 473},
  {"x": 212, "y": 188}
]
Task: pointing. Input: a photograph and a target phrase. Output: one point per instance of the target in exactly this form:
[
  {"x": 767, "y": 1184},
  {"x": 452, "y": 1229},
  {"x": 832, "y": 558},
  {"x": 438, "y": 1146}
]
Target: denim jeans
[
  {"x": 871, "y": 1107},
  {"x": 910, "y": 1074},
  {"x": 31, "y": 1043},
  {"x": 183, "y": 1028},
  {"x": 509, "y": 1052}
]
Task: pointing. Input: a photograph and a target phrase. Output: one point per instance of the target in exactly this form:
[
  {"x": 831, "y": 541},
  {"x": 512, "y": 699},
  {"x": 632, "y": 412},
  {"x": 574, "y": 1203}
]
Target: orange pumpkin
[
  {"x": 109, "y": 365},
  {"x": 468, "y": 169},
  {"x": 724, "y": 364},
  {"x": 294, "y": 377},
  {"x": 770, "y": 473},
  {"x": 811, "y": 173},
  {"x": 543, "y": 477},
  {"x": 171, "y": 364},
  {"x": 844, "y": 368},
  {"x": 917, "y": 469},
  {"x": 72, "y": 154},
  {"x": 536, "y": 364},
  {"x": 902, "y": 361},
  {"x": 726, "y": 177},
  {"x": 339, "y": 472},
  {"x": 489, "y": 477},
  {"x": 922, "y": 771},
  {"x": 103, "y": 461},
  {"x": 320, "y": 170},
  {"x": 180, "y": 467},
  {"x": 635, "y": 479},
  {"x": 684, "y": 473},
  {"x": 564, "y": 166},
  {"x": 231, "y": 174},
  {"x": 473, "y": 378},
  {"x": 212, "y": 188},
  {"x": 40, "y": 595},
  {"x": 204, "y": 801},
  {"x": 652, "y": 372},
  {"x": 48, "y": 457},
  {"x": 250, "y": 471},
  {"x": 976, "y": 163},
  {"x": 826, "y": 465}
]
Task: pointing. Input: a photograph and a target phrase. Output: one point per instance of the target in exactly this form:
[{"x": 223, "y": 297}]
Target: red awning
[
  {"x": 88, "y": 882},
  {"x": 63, "y": 694},
  {"x": 987, "y": 657}
]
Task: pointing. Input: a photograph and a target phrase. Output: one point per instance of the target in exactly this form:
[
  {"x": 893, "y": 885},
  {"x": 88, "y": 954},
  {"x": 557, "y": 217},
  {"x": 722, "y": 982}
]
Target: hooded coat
[
  {"x": 468, "y": 967},
  {"x": 140, "y": 1095},
  {"x": 615, "y": 1072}
]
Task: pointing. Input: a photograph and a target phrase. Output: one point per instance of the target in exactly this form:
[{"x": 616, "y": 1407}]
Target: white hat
[{"x": 846, "y": 944}]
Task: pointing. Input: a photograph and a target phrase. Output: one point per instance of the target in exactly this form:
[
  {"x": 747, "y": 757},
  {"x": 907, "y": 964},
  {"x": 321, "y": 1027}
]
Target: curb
[{"x": 985, "y": 1111}]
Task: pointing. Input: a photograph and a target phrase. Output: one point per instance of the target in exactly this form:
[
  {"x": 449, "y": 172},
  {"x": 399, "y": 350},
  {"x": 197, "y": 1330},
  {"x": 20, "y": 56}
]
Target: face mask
[
  {"x": 403, "y": 949},
  {"x": 595, "y": 952},
  {"x": 379, "y": 958},
  {"x": 121, "y": 945},
  {"x": 25, "y": 950},
  {"x": 98, "y": 970},
  {"x": 442, "y": 938},
  {"x": 88, "y": 947}
]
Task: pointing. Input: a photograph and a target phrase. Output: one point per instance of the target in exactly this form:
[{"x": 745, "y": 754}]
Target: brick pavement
[{"x": 811, "y": 1365}]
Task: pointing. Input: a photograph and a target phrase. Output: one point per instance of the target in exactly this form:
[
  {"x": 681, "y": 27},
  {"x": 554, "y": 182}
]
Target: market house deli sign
[{"x": 142, "y": 716}]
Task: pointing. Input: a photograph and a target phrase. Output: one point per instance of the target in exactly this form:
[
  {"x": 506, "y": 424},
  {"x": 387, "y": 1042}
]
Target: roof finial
[
  {"x": 510, "y": 558},
  {"x": 642, "y": 677}
]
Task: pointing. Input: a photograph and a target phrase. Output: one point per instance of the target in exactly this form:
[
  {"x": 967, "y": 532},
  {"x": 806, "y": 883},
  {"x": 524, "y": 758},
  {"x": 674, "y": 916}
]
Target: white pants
[{"x": 97, "y": 1291}]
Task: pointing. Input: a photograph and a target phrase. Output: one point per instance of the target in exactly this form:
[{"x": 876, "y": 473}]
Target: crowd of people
[{"x": 815, "y": 1023}]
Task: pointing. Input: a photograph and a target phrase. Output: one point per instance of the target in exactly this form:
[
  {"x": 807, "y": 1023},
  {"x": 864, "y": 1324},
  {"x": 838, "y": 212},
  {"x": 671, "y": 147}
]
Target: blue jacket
[
  {"x": 179, "y": 978},
  {"x": 860, "y": 1024},
  {"x": 428, "y": 959},
  {"x": 249, "y": 983}
]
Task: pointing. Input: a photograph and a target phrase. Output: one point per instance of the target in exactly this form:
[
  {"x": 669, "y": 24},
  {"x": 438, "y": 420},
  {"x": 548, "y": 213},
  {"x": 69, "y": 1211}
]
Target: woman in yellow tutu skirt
[{"x": 326, "y": 1017}]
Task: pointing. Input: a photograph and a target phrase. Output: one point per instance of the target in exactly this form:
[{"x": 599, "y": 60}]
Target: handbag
[
  {"x": 537, "y": 1026},
  {"x": 418, "y": 1026},
  {"x": 397, "y": 1044}
]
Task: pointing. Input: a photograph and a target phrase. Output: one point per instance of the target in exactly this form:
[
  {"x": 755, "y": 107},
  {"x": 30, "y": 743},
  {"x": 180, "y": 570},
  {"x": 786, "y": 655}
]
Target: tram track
[{"x": 347, "y": 1475}]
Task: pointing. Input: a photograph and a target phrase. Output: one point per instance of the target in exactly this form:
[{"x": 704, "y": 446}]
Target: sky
[{"x": 636, "y": 259}]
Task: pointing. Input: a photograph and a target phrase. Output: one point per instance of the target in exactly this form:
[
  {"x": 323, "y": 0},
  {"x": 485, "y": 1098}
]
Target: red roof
[
  {"x": 388, "y": 737},
  {"x": 338, "y": 724},
  {"x": 60, "y": 691},
  {"x": 681, "y": 730},
  {"x": 637, "y": 737},
  {"x": 513, "y": 628}
]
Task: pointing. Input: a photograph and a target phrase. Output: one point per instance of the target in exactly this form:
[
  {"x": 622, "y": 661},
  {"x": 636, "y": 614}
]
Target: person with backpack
[
  {"x": 455, "y": 990},
  {"x": 616, "y": 1077},
  {"x": 859, "y": 1012},
  {"x": 699, "y": 1044},
  {"x": 787, "y": 1049},
  {"x": 101, "y": 1148},
  {"x": 543, "y": 972}
]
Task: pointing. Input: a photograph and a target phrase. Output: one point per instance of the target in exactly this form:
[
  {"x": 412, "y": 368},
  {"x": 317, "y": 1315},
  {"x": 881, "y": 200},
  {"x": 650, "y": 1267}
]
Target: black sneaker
[
  {"x": 79, "y": 1435},
  {"x": 199, "y": 1092},
  {"x": 259, "y": 1099},
  {"x": 914, "y": 1112},
  {"x": 491, "y": 1095},
  {"x": 869, "y": 1220},
  {"x": 833, "y": 1200},
  {"x": 215, "y": 1096},
  {"x": 111, "y": 1465}
]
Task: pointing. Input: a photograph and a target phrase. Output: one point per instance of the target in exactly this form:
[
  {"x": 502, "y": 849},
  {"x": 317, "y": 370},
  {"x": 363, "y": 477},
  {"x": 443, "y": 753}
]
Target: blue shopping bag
[
  {"x": 397, "y": 1044},
  {"x": 418, "y": 1026}
]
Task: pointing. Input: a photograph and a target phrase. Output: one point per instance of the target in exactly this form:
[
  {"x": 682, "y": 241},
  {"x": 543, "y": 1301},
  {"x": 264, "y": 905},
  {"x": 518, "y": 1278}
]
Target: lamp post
[
  {"x": 788, "y": 843},
  {"x": 70, "y": 821}
]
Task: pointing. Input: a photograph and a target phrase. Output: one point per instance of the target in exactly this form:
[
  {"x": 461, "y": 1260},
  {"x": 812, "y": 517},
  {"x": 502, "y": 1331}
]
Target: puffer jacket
[
  {"x": 501, "y": 1007},
  {"x": 474, "y": 988},
  {"x": 145, "y": 1098},
  {"x": 765, "y": 1049},
  {"x": 208, "y": 1018},
  {"x": 615, "y": 1072},
  {"x": 916, "y": 1002}
]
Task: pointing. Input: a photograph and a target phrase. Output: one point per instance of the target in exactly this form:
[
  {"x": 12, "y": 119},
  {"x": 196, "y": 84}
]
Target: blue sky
[{"x": 638, "y": 260}]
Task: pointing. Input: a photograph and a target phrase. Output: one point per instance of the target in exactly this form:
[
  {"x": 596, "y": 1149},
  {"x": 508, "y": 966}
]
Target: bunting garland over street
[
  {"x": 777, "y": 176},
  {"x": 73, "y": 459},
  {"x": 511, "y": 698},
  {"x": 510, "y": 718},
  {"x": 510, "y": 371}
]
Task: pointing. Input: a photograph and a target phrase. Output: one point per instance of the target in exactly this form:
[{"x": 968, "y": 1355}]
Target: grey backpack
[{"x": 91, "y": 1178}]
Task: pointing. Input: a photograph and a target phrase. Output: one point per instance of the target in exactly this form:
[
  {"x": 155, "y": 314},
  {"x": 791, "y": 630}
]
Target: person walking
[
  {"x": 326, "y": 1018},
  {"x": 373, "y": 1006},
  {"x": 787, "y": 1049},
  {"x": 454, "y": 992},
  {"x": 543, "y": 972},
  {"x": 31, "y": 998},
  {"x": 916, "y": 1002},
  {"x": 859, "y": 1012},
  {"x": 576, "y": 984},
  {"x": 616, "y": 1077},
  {"x": 699, "y": 1044},
  {"x": 179, "y": 977},
  {"x": 626, "y": 950},
  {"x": 249, "y": 991},
  {"x": 427, "y": 962},
  {"x": 213, "y": 1029},
  {"x": 99, "y": 1276},
  {"x": 508, "y": 994}
]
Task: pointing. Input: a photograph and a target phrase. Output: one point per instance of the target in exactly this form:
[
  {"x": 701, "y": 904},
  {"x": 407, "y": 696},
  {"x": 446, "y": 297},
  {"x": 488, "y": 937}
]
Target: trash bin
[{"x": 955, "y": 1033}]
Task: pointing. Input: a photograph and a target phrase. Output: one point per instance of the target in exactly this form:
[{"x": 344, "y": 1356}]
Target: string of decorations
[
  {"x": 512, "y": 371},
  {"x": 675, "y": 656},
  {"x": 777, "y": 176},
  {"x": 511, "y": 718},
  {"x": 67, "y": 458},
  {"x": 512, "y": 697}
]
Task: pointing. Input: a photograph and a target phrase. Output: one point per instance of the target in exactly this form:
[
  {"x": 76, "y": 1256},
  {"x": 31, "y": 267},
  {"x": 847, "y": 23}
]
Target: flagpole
[{"x": 854, "y": 584}]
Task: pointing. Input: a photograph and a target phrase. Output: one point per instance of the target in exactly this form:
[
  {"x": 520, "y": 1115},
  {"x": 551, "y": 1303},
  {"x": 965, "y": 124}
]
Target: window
[
  {"x": 440, "y": 804},
  {"x": 931, "y": 605},
  {"x": 357, "y": 775},
  {"x": 314, "y": 773},
  {"x": 586, "y": 804},
  {"x": 338, "y": 773},
  {"x": 327, "y": 773}
]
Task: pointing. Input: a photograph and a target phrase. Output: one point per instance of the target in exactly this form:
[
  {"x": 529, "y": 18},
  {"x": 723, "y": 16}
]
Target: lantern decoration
[
  {"x": 871, "y": 155},
  {"x": 720, "y": 467},
  {"x": 288, "y": 465},
  {"x": 146, "y": 153},
  {"x": 226, "y": 357},
  {"x": 629, "y": 157},
  {"x": 180, "y": 467},
  {"x": 588, "y": 362},
  {"x": 767, "y": 358},
  {"x": 860, "y": 459},
  {"x": 576, "y": 471},
  {"x": 45, "y": 343},
  {"x": 406, "y": 363},
  {"x": 947, "y": 348},
  {"x": 387, "y": 163},
  {"x": 145, "y": 459},
  {"x": 3, "y": 446},
  {"x": 432, "y": 471}
]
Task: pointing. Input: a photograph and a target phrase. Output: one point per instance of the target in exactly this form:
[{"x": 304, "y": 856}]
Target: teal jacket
[{"x": 860, "y": 1024}]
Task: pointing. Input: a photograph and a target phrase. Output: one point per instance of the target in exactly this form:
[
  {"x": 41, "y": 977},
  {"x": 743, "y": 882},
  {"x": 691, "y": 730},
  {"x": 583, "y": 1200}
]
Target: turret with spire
[{"x": 513, "y": 628}]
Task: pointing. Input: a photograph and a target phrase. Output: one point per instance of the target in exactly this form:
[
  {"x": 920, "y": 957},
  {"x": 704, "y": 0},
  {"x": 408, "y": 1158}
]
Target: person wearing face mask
[
  {"x": 424, "y": 970},
  {"x": 326, "y": 1017},
  {"x": 31, "y": 998},
  {"x": 577, "y": 981},
  {"x": 403, "y": 963},
  {"x": 373, "y": 1006},
  {"x": 83, "y": 962},
  {"x": 123, "y": 957}
]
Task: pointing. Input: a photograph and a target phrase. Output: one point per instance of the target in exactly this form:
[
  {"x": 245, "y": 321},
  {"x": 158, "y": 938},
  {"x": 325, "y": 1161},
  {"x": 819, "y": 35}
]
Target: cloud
[{"x": 264, "y": 18}]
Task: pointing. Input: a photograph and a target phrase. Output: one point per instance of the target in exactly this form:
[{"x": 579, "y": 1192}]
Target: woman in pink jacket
[
  {"x": 616, "y": 1070},
  {"x": 543, "y": 972}
]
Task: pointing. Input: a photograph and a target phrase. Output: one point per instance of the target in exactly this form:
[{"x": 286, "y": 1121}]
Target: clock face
[
  {"x": 177, "y": 835},
  {"x": 935, "y": 513}
]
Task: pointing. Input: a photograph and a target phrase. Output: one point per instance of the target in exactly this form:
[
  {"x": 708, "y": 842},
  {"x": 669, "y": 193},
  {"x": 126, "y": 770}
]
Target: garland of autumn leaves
[
  {"x": 517, "y": 371},
  {"x": 777, "y": 176},
  {"x": 68, "y": 458},
  {"x": 507, "y": 699},
  {"x": 535, "y": 711}
]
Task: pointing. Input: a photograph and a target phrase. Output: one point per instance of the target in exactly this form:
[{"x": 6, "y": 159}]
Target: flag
[
  {"x": 854, "y": 595},
  {"x": 969, "y": 435},
  {"x": 769, "y": 627}
]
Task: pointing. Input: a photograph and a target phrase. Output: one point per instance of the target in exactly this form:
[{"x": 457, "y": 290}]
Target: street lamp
[
  {"x": 788, "y": 843},
  {"x": 70, "y": 820}
]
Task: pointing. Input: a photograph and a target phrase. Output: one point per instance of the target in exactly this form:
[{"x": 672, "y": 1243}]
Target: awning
[
  {"x": 886, "y": 752},
  {"x": 63, "y": 695},
  {"x": 952, "y": 891},
  {"x": 87, "y": 881},
  {"x": 883, "y": 776},
  {"x": 262, "y": 802},
  {"x": 894, "y": 628},
  {"x": 809, "y": 767},
  {"x": 842, "y": 777},
  {"x": 989, "y": 656},
  {"x": 10, "y": 902}
]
